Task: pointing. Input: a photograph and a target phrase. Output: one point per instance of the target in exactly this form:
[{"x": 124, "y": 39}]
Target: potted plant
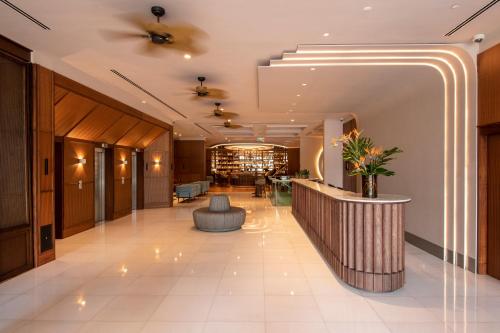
[{"x": 367, "y": 160}]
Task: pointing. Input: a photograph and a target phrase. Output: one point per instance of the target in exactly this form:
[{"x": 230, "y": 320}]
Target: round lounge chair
[{"x": 219, "y": 215}]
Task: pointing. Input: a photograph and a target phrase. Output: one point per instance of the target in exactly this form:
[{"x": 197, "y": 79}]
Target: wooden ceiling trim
[
  {"x": 95, "y": 123},
  {"x": 70, "y": 111},
  {"x": 119, "y": 129},
  {"x": 149, "y": 137},
  {"x": 80, "y": 89},
  {"x": 59, "y": 94},
  {"x": 133, "y": 136}
]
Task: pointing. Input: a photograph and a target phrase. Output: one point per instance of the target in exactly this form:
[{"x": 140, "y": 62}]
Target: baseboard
[{"x": 438, "y": 251}]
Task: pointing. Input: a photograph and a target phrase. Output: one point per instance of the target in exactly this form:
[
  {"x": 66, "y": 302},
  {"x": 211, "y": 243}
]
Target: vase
[{"x": 369, "y": 186}]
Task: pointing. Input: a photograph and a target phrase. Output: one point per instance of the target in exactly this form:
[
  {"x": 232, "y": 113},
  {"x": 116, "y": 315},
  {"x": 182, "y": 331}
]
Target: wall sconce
[
  {"x": 124, "y": 162},
  {"x": 82, "y": 161},
  {"x": 157, "y": 163}
]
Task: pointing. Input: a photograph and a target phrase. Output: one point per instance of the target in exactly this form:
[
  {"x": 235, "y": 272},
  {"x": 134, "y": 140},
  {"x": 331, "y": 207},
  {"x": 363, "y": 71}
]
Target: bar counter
[{"x": 361, "y": 238}]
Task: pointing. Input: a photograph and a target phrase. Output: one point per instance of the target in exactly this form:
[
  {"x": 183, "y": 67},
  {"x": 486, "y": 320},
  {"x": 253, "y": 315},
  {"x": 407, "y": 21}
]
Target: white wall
[
  {"x": 310, "y": 155},
  {"x": 333, "y": 165},
  {"x": 415, "y": 124}
]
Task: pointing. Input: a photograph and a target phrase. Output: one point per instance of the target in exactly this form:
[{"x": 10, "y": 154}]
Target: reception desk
[{"x": 361, "y": 238}]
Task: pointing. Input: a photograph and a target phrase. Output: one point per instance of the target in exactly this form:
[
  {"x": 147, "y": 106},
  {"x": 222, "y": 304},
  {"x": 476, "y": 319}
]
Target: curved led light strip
[
  {"x": 466, "y": 129},
  {"x": 318, "y": 169},
  {"x": 466, "y": 119}
]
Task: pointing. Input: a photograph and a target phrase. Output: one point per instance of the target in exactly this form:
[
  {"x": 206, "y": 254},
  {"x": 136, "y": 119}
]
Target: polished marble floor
[{"x": 153, "y": 272}]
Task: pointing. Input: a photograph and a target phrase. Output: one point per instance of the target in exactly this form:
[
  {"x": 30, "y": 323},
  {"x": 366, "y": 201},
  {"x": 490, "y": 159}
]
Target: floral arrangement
[{"x": 366, "y": 159}]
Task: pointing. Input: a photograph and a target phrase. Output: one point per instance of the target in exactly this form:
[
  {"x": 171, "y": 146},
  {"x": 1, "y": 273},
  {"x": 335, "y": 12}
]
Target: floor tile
[
  {"x": 237, "y": 308},
  {"x": 183, "y": 308},
  {"x": 292, "y": 308},
  {"x": 129, "y": 308}
]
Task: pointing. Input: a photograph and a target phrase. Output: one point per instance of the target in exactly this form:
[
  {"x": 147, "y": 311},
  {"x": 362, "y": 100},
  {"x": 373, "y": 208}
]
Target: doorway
[{"x": 100, "y": 187}]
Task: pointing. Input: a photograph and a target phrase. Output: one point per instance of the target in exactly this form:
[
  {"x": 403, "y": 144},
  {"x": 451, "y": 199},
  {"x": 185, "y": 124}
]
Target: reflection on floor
[
  {"x": 230, "y": 189},
  {"x": 152, "y": 272}
]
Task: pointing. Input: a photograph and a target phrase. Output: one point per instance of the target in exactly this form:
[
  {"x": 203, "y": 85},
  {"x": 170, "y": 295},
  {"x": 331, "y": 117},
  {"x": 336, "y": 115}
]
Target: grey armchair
[{"x": 219, "y": 215}]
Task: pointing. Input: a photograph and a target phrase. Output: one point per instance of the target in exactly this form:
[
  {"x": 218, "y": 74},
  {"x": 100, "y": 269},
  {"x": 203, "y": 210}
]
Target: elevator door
[
  {"x": 134, "y": 180},
  {"x": 100, "y": 194}
]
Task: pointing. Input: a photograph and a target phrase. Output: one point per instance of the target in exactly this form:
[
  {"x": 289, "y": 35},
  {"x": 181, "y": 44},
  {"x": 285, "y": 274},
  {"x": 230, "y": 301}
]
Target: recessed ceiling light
[
  {"x": 175, "y": 133},
  {"x": 326, "y": 34},
  {"x": 298, "y": 95},
  {"x": 180, "y": 134},
  {"x": 225, "y": 138},
  {"x": 290, "y": 110},
  {"x": 143, "y": 102},
  {"x": 455, "y": 6},
  {"x": 293, "y": 104},
  {"x": 312, "y": 68},
  {"x": 187, "y": 56},
  {"x": 367, "y": 8},
  {"x": 304, "y": 84},
  {"x": 292, "y": 120}
]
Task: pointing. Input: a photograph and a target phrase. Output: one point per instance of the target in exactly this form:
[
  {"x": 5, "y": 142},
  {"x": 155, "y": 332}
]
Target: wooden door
[
  {"x": 16, "y": 231},
  {"x": 493, "y": 196}
]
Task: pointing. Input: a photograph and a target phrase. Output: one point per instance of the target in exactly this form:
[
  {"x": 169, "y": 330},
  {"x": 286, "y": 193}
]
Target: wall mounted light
[
  {"x": 124, "y": 162},
  {"x": 82, "y": 161},
  {"x": 157, "y": 163}
]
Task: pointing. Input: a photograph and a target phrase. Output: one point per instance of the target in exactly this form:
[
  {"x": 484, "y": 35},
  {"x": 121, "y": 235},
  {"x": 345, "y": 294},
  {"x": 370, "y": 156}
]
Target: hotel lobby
[{"x": 284, "y": 166}]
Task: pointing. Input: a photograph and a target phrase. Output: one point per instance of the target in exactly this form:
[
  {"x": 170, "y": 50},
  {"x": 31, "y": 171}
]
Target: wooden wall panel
[
  {"x": 70, "y": 111},
  {"x": 135, "y": 134},
  {"x": 158, "y": 186},
  {"x": 189, "y": 161},
  {"x": 77, "y": 202},
  {"x": 293, "y": 160},
  {"x": 122, "y": 182},
  {"x": 493, "y": 204},
  {"x": 16, "y": 242},
  {"x": 95, "y": 124},
  {"x": 118, "y": 130},
  {"x": 489, "y": 125},
  {"x": 489, "y": 86},
  {"x": 43, "y": 162}
]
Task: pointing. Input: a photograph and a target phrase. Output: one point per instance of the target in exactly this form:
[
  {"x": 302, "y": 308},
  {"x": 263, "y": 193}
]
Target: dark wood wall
[
  {"x": 16, "y": 223},
  {"x": 189, "y": 161},
  {"x": 74, "y": 187},
  {"x": 349, "y": 182},
  {"x": 122, "y": 181},
  {"x": 43, "y": 165},
  {"x": 158, "y": 172},
  {"x": 488, "y": 162},
  {"x": 293, "y": 160}
]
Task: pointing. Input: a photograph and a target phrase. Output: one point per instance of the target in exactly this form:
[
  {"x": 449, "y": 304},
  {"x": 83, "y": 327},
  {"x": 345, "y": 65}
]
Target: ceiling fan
[
  {"x": 203, "y": 91},
  {"x": 219, "y": 112},
  {"x": 179, "y": 37},
  {"x": 229, "y": 124}
]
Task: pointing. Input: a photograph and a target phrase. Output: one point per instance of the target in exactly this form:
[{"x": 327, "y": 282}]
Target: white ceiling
[{"x": 242, "y": 36}]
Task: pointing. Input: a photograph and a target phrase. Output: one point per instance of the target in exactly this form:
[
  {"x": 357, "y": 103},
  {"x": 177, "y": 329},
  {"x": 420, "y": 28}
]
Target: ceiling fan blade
[
  {"x": 184, "y": 32},
  {"x": 230, "y": 114},
  {"x": 185, "y": 47},
  {"x": 151, "y": 50},
  {"x": 112, "y": 35},
  {"x": 217, "y": 93}
]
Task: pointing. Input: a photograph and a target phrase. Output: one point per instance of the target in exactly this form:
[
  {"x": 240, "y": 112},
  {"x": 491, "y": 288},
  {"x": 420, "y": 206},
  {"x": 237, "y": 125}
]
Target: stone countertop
[{"x": 351, "y": 196}]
